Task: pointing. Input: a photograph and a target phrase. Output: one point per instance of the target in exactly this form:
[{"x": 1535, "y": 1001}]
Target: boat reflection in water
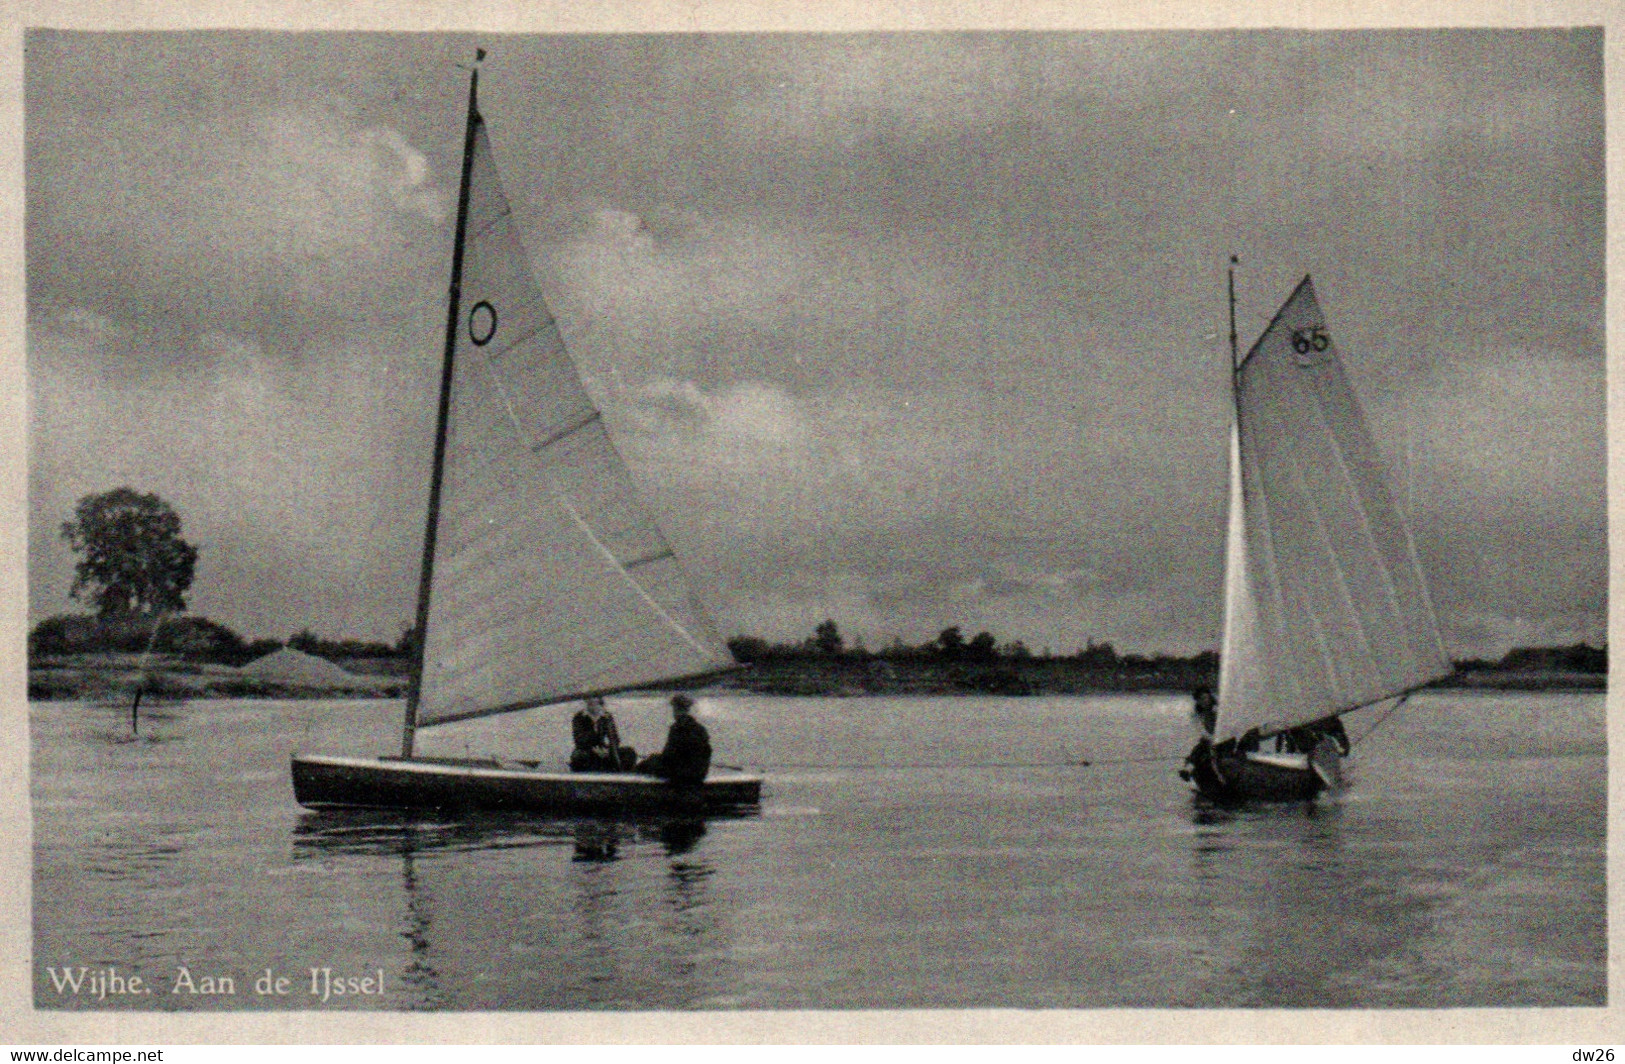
[
  {"x": 599, "y": 840},
  {"x": 500, "y": 912}
]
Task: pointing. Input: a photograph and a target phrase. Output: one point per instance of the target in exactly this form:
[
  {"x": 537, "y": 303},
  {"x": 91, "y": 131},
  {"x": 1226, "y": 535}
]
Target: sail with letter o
[{"x": 549, "y": 578}]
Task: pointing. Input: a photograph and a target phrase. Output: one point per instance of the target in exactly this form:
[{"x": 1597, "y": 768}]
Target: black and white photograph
[{"x": 732, "y": 522}]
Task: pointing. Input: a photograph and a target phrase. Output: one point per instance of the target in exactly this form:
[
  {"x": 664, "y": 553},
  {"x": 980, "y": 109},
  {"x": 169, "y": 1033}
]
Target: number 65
[{"x": 1313, "y": 338}]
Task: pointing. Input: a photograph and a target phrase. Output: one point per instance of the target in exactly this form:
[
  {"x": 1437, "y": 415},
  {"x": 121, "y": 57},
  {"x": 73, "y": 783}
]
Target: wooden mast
[{"x": 453, "y": 310}]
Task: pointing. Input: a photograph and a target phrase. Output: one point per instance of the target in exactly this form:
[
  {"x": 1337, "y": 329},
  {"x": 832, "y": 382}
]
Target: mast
[
  {"x": 421, "y": 628},
  {"x": 1235, "y": 357}
]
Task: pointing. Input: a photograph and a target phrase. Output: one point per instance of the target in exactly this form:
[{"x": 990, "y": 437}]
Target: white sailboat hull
[{"x": 325, "y": 782}]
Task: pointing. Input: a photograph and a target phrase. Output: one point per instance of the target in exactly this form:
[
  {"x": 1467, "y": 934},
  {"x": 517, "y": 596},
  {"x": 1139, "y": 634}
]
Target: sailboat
[
  {"x": 1325, "y": 609},
  {"x": 544, "y": 577}
]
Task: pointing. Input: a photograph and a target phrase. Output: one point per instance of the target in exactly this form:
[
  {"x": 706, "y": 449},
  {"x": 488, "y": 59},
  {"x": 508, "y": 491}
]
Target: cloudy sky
[{"x": 905, "y": 330}]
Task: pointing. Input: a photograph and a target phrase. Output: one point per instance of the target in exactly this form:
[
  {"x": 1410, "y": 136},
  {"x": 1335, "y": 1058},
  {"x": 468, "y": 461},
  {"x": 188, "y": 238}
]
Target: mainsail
[
  {"x": 548, "y": 577},
  {"x": 1325, "y": 606}
]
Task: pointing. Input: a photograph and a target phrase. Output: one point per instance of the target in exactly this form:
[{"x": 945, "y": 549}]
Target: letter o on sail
[{"x": 482, "y": 323}]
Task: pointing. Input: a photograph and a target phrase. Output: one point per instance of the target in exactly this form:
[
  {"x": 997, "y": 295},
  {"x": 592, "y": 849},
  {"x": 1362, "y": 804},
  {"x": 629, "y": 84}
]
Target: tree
[
  {"x": 951, "y": 643},
  {"x": 983, "y": 648},
  {"x": 747, "y": 649},
  {"x": 1098, "y": 656},
  {"x": 135, "y": 560},
  {"x": 827, "y": 638}
]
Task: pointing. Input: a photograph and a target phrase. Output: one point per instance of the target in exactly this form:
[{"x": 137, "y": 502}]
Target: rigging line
[
  {"x": 1400, "y": 701},
  {"x": 141, "y": 673},
  {"x": 575, "y": 515},
  {"x": 648, "y": 599},
  {"x": 877, "y": 765},
  {"x": 152, "y": 639}
]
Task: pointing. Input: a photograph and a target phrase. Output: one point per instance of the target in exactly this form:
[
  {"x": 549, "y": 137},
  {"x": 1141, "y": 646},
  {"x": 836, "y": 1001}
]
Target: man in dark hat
[{"x": 687, "y": 756}]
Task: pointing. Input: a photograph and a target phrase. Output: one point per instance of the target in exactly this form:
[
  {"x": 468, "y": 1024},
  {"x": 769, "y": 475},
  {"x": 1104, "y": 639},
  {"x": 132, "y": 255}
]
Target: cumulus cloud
[
  {"x": 901, "y": 510},
  {"x": 909, "y": 331},
  {"x": 678, "y": 294},
  {"x": 291, "y": 480},
  {"x": 281, "y": 224}
]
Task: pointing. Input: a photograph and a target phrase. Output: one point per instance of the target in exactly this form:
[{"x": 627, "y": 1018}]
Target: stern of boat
[{"x": 1234, "y": 779}]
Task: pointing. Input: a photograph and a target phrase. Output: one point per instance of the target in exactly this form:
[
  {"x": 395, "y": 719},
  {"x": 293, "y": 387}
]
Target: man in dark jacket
[{"x": 687, "y": 756}]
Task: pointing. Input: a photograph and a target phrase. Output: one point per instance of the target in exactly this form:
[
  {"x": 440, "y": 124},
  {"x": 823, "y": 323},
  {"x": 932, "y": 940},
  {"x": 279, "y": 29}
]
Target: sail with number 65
[{"x": 1326, "y": 609}]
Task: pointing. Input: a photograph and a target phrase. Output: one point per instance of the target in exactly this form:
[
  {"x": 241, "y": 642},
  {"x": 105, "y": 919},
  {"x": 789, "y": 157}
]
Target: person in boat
[
  {"x": 1204, "y": 708},
  {"x": 1305, "y": 737},
  {"x": 687, "y": 756},
  {"x": 597, "y": 741}
]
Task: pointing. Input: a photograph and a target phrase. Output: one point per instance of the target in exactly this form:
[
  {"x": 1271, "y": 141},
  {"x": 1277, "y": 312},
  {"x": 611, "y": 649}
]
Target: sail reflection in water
[{"x": 457, "y": 937}]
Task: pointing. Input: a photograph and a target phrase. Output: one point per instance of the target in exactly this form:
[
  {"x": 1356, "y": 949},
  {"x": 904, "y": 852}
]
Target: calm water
[{"x": 1464, "y": 866}]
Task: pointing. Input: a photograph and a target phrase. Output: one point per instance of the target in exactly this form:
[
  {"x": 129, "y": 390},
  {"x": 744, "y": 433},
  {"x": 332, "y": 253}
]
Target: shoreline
[{"x": 113, "y": 676}]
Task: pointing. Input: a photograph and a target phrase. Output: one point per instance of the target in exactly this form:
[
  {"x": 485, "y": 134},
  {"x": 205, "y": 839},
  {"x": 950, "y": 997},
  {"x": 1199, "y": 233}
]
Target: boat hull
[
  {"x": 1231, "y": 778},
  {"x": 326, "y": 782}
]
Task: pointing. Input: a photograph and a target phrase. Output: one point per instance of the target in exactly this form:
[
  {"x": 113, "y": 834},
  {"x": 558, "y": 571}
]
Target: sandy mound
[{"x": 295, "y": 668}]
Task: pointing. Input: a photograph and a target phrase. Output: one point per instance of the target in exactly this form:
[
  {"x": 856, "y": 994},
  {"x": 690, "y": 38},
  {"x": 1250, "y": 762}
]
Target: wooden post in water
[{"x": 141, "y": 674}]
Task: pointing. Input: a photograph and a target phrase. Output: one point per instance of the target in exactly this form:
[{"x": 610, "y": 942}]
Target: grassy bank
[
  {"x": 116, "y": 675},
  {"x": 100, "y": 677}
]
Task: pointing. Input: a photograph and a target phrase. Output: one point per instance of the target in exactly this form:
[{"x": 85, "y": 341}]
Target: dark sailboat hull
[
  {"x": 1231, "y": 778},
  {"x": 322, "y": 782}
]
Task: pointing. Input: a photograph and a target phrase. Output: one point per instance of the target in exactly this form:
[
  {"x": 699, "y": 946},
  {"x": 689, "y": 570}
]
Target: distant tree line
[
  {"x": 135, "y": 570},
  {"x": 950, "y": 645},
  {"x": 191, "y": 639},
  {"x": 304, "y": 640},
  {"x": 1577, "y": 658},
  {"x": 827, "y": 644}
]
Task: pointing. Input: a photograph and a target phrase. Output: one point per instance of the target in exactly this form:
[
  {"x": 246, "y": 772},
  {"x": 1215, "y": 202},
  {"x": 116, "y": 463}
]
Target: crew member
[
  {"x": 598, "y": 742},
  {"x": 1205, "y": 709},
  {"x": 1305, "y": 737},
  {"x": 687, "y": 756}
]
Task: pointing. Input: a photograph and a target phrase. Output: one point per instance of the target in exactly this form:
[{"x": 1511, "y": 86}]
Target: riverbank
[
  {"x": 115, "y": 675},
  {"x": 101, "y": 677}
]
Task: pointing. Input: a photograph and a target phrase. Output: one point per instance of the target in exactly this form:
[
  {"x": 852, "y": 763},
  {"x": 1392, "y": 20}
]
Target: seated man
[
  {"x": 687, "y": 756},
  {"x": 598, "y": 742}
]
